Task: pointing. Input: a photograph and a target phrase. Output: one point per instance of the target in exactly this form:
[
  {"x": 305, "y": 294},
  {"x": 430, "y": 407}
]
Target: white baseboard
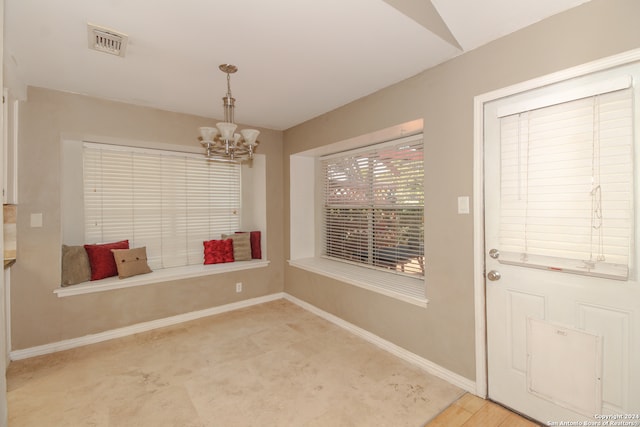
[
  {"x": 137, "y": 328},
  {"x": 428, "y": 366}
]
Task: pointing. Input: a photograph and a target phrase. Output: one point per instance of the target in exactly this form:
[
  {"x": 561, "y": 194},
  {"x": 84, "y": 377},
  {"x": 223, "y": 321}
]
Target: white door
[{"x": 561, "y": 237}]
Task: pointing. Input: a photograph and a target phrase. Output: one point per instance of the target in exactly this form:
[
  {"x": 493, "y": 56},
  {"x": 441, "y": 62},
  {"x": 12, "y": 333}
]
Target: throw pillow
[
  {"x": 131, "y": 262},
  {"x": 218, "y": 251},
  {"x": 256, "y": 249},
  {"x": 241, "y": 246},
  {"x": 75, "y": 265},
  {"x": 101, "y": 259}
]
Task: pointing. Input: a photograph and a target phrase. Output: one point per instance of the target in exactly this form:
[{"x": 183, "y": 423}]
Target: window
[
  {"x": 378, "y": 266},
  {"x": 373, "y": 206},
  {"x": 567, "y": 181},
  {"x": 168, "y": 201}
]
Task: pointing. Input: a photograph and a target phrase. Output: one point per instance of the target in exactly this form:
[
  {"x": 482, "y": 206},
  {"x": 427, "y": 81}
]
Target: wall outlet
[{"x": 239, "y": 287}]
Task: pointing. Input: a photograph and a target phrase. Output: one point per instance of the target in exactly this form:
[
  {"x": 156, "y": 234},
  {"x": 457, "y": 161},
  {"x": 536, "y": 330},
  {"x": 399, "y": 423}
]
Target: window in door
[{"x": 567, "y": 182}]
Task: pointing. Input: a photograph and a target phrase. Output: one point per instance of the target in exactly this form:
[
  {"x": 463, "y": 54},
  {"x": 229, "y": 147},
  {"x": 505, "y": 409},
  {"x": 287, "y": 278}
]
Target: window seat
[{"x": 158, "y": 276}]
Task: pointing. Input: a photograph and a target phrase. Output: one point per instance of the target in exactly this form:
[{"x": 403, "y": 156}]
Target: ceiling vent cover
[{"x": 106, "y": 40}]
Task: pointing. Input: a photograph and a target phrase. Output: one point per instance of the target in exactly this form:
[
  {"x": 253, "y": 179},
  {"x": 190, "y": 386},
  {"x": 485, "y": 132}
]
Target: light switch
[
  {"x": 36, "y": 220},
  {"x": 463, "y": 204}
]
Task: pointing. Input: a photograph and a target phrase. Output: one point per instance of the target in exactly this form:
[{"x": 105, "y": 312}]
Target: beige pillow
[
  {"x": 241, "y": 246},
  {"x": 131, "y": 262},
  {"x": 75, "y": 265}
]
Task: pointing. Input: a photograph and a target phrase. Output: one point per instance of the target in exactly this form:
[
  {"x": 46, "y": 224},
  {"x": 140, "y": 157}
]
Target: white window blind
[
  {"x": 169, "y": 202},
  {"x": 374, "y": 204},
  {"x": 567, "y": 186}
]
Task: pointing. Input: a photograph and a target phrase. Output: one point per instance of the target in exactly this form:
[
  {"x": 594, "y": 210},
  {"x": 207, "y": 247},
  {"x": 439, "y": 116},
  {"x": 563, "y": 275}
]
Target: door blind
[
  {"x": 567, "y": 186},
  {"x": 373, "y": 206},
  {"x": 169, "y": 202}
]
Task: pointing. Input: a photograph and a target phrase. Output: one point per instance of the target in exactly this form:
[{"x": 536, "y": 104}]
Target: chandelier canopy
[{"x": 222, "y": 142}]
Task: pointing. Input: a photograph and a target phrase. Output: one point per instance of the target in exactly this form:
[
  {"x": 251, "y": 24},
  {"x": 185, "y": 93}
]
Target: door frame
[{"x": 478, "y": 190}]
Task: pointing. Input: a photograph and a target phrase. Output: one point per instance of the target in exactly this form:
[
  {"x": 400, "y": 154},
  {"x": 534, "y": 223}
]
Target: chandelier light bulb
[
  {"x": 226, "y": 130},
  {"x": 208, "y": 134},
  {"x": 250, "y": 136}
]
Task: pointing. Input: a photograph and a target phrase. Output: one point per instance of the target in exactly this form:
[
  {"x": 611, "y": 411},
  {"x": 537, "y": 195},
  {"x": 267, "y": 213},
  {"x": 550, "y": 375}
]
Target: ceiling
[{"x": 297, "y": 59}]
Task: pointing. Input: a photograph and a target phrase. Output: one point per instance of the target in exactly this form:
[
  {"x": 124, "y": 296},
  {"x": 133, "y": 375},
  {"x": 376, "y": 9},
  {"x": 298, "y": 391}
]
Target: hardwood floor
[{"x": 472, "y": 411}]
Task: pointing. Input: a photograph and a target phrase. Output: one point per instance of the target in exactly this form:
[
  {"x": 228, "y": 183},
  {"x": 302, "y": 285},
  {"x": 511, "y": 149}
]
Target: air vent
[{"x": 106, "y": 40}]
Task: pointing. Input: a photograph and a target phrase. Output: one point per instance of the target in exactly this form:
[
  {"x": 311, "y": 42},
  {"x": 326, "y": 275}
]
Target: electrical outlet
[{"x": 239, "y": 287}]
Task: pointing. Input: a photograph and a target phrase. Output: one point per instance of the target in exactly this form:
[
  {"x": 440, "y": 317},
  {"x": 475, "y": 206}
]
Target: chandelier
[{"x": 222, "y": 142}]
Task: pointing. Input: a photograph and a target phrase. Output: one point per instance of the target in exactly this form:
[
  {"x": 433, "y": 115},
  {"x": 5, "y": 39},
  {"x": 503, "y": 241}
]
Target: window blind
[
  {"x": 169, "y": 202},
  {"x": 567, "y": 186},
  {"x": 374, "y": 204}
]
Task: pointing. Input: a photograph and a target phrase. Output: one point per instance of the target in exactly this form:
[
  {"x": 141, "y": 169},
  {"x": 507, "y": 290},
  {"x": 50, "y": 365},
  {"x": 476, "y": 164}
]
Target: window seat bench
[{"x": 158, "y": 276}]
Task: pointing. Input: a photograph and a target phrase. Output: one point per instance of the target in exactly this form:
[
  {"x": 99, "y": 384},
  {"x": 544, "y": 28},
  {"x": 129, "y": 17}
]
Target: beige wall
[
  {"x": 38, "y": 316},
  {"x": 443, "y": 96}
]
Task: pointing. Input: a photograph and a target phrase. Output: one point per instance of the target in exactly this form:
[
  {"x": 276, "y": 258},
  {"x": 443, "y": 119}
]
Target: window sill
[
  {"x": 407, "y": 289},
  {"x": 158, "y": 276}
]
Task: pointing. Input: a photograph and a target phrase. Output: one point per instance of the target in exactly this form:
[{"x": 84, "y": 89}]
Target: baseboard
[
  {"x": 428, "y": 366},
  {"x": 137, "y": 328}
]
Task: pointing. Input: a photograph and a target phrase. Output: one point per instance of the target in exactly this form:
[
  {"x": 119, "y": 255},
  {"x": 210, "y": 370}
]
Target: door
[{"x": 561, "y": 237}]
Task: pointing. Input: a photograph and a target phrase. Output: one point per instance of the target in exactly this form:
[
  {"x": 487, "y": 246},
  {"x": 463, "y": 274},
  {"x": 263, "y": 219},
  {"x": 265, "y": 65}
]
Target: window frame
[
  {"x": 305, "y": 205},
  {"x": 254, "y": 216}
]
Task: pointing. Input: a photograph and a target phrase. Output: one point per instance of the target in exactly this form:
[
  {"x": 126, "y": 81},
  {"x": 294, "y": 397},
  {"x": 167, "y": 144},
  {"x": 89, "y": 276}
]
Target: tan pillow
[
  {"x": 131, "y": 262},
  {"x": 75, "y": 265},
  {"x": 241, "y": 246}
]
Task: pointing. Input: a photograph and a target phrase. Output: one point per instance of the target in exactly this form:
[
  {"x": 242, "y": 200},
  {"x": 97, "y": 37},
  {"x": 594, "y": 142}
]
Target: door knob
[
  {"x": 494, "y": 253},
  {"x": 493, "y": 275}
]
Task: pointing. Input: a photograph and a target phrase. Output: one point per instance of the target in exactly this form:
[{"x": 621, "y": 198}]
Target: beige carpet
[{"x": 274, "y": 364}]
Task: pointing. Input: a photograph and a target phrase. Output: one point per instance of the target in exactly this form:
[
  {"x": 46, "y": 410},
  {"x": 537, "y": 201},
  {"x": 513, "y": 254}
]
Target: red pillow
[
  {"x": 218, "y": 251},
  {"x": 101, "y": 259},
  {"x": 256, "y": 250}
]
